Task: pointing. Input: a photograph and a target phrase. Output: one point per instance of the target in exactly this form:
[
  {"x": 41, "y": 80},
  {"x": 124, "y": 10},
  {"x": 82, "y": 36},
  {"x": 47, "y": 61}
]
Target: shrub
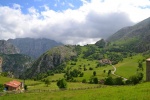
[
  {"x": 118, "y": 81},
  {"x": 94, "y": 80},
  {"x": 1, "y": 87},
  {"x": 109, "y": 81},
  {"x": 47, "y": 82},
  {"x": 94, "y": 73},
  {"x": 25, "y": 87},
  {"x": 90, "y": 68},
  {"x": 135, "y": 79},
  {"x": 81, "y": 74},
  {"x": 62, "y": 84},
  {"x": 84, "y": 81}
]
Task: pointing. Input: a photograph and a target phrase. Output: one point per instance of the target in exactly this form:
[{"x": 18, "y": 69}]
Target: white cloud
[{"x": 92, "y": 21}]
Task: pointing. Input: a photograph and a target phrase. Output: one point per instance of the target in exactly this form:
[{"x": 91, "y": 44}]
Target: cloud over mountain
[{"x": 86, "y": 24}]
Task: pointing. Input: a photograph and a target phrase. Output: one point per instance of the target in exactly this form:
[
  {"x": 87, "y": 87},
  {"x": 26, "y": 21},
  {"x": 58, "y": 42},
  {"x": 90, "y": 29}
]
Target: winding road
[{"x": 113, "y": 72}]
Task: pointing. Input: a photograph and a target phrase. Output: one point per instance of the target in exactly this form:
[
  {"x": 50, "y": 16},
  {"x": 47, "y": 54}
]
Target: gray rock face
[
  {"x": 15, "y": 63},
  {"x": 34, "y": 47},
  {"x": 51, "y": 59},
  {"x": 8, "y": 48}
]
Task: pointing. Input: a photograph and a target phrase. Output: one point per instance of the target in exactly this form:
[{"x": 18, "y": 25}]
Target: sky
[{"x": 69, "y": 21}]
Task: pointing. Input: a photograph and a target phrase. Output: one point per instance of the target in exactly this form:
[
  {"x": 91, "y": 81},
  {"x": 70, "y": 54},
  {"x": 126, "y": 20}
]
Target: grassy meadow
[
  {"x": 129, "y": 66},
  {"x": 137, "y": 92},
  {"x": 126, "y": 68}
]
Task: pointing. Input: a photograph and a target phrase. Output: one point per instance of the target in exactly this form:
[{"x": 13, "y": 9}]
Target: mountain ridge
[{"x": 34, "y": 47}]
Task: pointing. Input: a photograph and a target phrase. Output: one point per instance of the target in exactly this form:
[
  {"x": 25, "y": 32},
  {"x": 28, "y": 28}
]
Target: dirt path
[{"x": 113, "y": 72}]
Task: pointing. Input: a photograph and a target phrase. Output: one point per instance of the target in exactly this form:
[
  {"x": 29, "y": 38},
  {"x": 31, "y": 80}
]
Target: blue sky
[
  {"x": 69, "y": 21},
  {"x": 56, "y": 5}
]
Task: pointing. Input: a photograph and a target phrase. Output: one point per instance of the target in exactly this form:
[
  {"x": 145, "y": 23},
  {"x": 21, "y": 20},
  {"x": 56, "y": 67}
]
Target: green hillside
[
  {"x": 134, "y": 38},
  {"x": 138, "y": 92}
]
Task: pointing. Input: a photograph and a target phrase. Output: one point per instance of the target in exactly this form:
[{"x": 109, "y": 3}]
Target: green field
[
  {"x": 82, "y": 91},
  {"x": 128, "y": 66},
  {"x": 137, "y": 92}
]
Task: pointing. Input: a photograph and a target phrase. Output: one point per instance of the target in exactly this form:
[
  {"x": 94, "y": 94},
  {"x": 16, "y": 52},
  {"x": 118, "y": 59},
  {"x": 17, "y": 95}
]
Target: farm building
[{"x": 13, "y": 85}]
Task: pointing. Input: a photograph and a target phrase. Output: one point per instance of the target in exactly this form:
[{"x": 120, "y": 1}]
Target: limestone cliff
[{"x": 52, "y": 59}]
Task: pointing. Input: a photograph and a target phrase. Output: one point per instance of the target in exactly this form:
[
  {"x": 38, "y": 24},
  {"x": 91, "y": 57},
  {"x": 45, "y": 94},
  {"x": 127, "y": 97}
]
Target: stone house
[{"x": 13, "y": 86}]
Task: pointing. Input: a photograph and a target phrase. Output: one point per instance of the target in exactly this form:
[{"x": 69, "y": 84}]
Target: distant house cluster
[
  {"x": 105, "y": 61},
  {"x": 13, "y": 86}
]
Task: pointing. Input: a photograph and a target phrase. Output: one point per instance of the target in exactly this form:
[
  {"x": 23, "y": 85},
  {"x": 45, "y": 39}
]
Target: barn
[{"x": 13, "y": 85}]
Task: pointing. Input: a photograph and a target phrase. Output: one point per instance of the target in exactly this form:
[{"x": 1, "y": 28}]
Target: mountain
[
  {"x": 51, "y": 59},
  {"x": 33, "y": 47},
  {"x": 15, "y": 64},
  {"x": 135, "y": 37},
  {"x": 8, "y": 48}
]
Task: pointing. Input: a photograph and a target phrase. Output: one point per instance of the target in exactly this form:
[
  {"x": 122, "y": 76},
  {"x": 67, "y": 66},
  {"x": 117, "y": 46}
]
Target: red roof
[{"x": 13, "y": 84}]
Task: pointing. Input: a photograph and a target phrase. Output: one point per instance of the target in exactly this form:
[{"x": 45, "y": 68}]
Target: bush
[
  {"x": 94, "y": 80},
  {"x": 62, "y": 84},
  {"x": 47, "y": 82},
  {"x": 84, "y": 81},
  {"x": 118, "y": 81},
  {"x": 109, "y": 81},
  {"x": 1, "y": 87},
  {"x": 135, "y": 79},
  {"x": 94, "y": 73},
  {"x": 90, "y": 68},
  {"x": 25, "y": 87},
  {"x": 81, "y": 74}
]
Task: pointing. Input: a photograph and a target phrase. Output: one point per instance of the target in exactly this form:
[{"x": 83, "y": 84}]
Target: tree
[
  {"x": 93, "y": 80},
  {"x": 140, "y": 65},
  {"x": 118, "y": 81},
  {"x": 94, "y": 73},
  {"x": 62, "y": 83},
  {"x": 104, "y": 71},
  {"x": 25, "y": 87},
  {"x": 101, "y": 43},
  {"x": 47, "y": 82},
  {"x": 135, "y": 79},
  {"x": 1, "y": 87},
  {"x": 109, "y": 81},
  {"x": 84, "y": 81},
  {"x": 109, "y": 72}
]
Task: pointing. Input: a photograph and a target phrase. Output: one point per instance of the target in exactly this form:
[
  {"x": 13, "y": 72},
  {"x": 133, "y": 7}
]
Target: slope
[
  {"x": 34, "y": 47},
  {"x": 135, "y": 38}
]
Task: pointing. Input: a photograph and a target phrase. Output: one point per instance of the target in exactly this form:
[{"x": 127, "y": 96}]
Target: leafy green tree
[
  {"x": 84, "y": 81},
  {"x": 140, "y": 76},
  {"x": 25, "y": 87},
  {"x": 1, "y": 87},
  {"x": 93, "y": 80},
  {"x": 101, "y": 43},
  {"x": 104, "y": 71},
  {"x": 140, "y": 65},
  {"x": 94, "y": 73},
  {"x": 109, "y": 72},
  {"x": 118, "y": 81},
  {"x": 47, "y": 82},
  {"x": 135, "y": 79},
  {"x": 109, "y": 81},
  {"x": 62, "y": 83}
]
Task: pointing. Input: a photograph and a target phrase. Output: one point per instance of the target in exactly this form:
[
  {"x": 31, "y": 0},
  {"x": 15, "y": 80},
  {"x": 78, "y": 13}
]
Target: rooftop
[{"x": 13, "y": 83}]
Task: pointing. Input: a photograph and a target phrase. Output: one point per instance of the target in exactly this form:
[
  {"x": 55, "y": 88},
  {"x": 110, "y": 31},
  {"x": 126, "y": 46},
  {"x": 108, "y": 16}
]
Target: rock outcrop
[
  {"x": 8, "y": 48},
  {"x": 51, "y": 59},
  {"x": 34, "y": 47}
]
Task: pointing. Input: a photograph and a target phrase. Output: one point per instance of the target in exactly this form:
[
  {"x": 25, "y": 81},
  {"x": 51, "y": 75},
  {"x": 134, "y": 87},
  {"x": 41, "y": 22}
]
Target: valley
[{"x": 78, "y": 72}]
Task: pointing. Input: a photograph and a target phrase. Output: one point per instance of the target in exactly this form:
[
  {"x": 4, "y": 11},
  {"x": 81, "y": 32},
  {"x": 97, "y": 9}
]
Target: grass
[
  {"x": 128, "y": 66},
  {"x": 137, "y": 92}
]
